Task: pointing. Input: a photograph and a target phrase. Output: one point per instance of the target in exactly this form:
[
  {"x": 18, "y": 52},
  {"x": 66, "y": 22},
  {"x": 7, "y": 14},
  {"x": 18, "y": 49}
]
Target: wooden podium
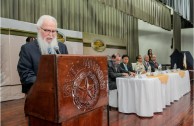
[{"x": 70, "y": 90}]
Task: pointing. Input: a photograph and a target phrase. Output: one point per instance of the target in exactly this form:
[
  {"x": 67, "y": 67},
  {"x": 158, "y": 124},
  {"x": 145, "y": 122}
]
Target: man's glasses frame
[{"x": 49, "y": 31}]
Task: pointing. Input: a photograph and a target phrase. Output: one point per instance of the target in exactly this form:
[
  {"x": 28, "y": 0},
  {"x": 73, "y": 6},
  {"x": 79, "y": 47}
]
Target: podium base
[{"x": 92, "y": 118}]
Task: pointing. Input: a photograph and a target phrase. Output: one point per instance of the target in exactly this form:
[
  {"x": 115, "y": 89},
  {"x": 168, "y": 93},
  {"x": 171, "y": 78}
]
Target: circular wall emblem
[
  {"x": 85, "y": 90},
  {"x": 98, "y": 45}
]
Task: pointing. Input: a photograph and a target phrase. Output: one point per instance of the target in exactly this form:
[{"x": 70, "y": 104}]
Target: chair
[
  {"x": 113, "y": 98},
  {"x": 133, "y": 65}
]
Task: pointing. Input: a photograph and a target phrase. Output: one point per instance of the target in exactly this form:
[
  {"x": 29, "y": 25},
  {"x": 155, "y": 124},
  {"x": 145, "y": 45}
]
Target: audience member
[
  {"x": 150, "y": 54},
  {"x": 30, "y": 39}
]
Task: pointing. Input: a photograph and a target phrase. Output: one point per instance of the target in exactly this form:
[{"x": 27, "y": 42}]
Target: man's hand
[
  {"x": 125, "y": 74},
  {"x": 143, "y": 72},
  {"x": 132, "y": 74}
]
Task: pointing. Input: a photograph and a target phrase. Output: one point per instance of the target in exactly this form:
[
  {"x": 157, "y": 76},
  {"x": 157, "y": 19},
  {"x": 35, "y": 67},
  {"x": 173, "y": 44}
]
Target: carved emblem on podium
[
  {"x": 84, "y": 86},
  {"x": 85, "y": 90}
]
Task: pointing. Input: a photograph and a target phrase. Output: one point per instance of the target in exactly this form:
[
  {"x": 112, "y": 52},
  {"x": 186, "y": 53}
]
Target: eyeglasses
[{"x": 49, "y": 31}]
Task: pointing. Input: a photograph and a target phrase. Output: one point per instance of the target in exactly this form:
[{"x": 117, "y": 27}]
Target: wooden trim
[
  {"x": 87, "y": 44},
  {"x": 107, "y": 46},
  {"x": 73, "y": 39},
  {"x": 116, "y": 47},
  {"x": 17, "y": 32},
  {"x": 8, "y": 31},
  {"x": 10, "y": 85}
]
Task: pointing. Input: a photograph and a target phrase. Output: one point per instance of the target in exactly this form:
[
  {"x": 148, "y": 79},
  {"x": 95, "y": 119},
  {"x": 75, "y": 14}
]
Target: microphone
[{"x": 56, "y": 48}]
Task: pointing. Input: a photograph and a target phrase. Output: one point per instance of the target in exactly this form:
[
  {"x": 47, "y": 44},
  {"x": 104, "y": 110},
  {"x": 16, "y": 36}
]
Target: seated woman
[{"x": 139, "y": 65}]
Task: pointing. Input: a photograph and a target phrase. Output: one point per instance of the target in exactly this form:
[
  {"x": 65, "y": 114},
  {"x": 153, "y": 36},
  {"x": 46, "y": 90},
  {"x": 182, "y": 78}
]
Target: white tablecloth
[{"x": 146, "y": 96}]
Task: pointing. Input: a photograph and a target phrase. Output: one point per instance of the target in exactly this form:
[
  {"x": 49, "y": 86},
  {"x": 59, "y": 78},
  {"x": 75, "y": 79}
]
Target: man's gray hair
[
  {"x": 43, "y": 18},
  {"x": 145, "y": 56}
]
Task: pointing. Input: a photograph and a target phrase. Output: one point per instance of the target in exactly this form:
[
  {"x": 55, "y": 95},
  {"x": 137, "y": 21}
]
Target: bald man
[{"x": 153, "y": 63}]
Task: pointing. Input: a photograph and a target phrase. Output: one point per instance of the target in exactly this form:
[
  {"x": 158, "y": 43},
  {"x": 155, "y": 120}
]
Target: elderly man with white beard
[{"x": 30, "y": 53}]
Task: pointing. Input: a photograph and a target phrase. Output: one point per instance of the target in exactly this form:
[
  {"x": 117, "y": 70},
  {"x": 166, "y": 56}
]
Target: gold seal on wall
[
  {"x": 60, "y": 37},
  {"x": 98, "y": 45}
]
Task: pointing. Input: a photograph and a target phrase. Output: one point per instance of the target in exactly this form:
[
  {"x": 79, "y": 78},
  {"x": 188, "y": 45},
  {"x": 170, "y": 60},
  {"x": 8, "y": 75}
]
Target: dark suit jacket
[
  {"x": 153, "y": 65},
  {"x": 128, "y": 67},
  {"x": 28, "y": 63},
  {"x": 113, "y": 73}
]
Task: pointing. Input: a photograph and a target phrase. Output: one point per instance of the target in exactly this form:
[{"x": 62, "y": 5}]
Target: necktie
[
  {"x": 115, "y": 66},
  {"x": 49, "y": 51},
  {"x": 126, "y": 67},
  {"x": 156, "y": 65}
]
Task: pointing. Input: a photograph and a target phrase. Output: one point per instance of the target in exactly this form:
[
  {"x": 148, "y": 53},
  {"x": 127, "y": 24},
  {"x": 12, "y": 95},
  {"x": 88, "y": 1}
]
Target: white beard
[{"x": 44, "y": 45}]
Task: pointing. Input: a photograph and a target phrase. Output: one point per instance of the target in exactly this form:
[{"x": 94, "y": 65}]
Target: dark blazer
[
  {"x": 113, "y": 73},
  {"x": 153, "y": 65},
  {"x": 28, "y": 63},
  {"x": 128, "y": 67}
]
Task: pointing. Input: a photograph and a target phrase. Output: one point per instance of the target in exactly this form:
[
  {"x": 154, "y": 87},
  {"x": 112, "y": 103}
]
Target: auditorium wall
[
  {"x": 157, "y": 39},
  {"x": 113, "y": 45},
  {"x": 160, "y": 41}
]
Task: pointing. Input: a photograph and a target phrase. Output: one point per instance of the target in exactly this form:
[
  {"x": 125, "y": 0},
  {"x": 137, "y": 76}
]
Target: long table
[{"x": 145, "y": 96}]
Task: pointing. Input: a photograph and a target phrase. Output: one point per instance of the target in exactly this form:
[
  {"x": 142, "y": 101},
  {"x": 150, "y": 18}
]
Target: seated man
[
  {"x": 114, "y": 57},
  {"x": 139, "y": 65},
  {"x": 146, "y": 62},
  {"x": 125, "y": 67},
  {"x": 154, "y": 65},
  {"x": 114, "y": 71}
]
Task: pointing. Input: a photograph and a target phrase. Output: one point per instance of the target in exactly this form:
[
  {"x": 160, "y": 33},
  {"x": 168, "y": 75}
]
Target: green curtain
[
  {"x": 131, "y": 36},
  {"x": 176, "y": 31},
  {"x": 151, "y": 11},
  {"x": 89, "y": 16}
]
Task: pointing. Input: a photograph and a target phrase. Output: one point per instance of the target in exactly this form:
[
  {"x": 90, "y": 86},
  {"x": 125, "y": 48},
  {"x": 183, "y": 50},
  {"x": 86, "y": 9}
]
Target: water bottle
[
  {"x": 160, "y": 67},
  {"x": 175, "y": 66},
  {"x": 137, "y": 72},
  {"x": 149, "y": 69}
]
